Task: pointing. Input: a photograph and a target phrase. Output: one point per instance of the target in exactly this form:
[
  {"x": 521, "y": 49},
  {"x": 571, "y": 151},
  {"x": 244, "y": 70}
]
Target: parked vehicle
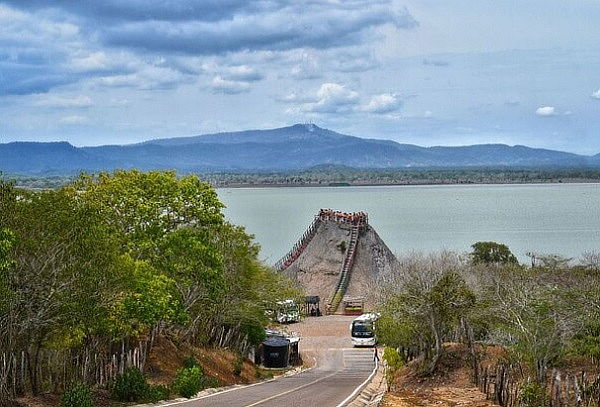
[{"x": 287, "y": 312}]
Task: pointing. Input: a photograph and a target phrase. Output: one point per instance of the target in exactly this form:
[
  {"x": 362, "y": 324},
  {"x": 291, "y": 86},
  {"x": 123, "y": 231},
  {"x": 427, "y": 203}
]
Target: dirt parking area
[{"x": 321, "y": 338}]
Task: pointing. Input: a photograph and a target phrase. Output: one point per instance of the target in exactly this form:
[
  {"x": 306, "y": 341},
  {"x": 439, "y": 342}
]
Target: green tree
[
  {"x": 492, "y": 253},
  {"x": 147, "y": 298},
  {"x": 144, "y": 207},
  {"x": 251, "y": 288},
  {"x": 6, "y": 244},
  {"x": 64, "y": 265},
  {"x": 6, "y": 263},
  {"x": 191, "y": 258}
]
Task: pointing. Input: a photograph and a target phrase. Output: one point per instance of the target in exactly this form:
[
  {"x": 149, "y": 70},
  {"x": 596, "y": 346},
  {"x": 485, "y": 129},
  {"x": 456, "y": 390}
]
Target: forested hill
[{"x": 289, "y": 148}]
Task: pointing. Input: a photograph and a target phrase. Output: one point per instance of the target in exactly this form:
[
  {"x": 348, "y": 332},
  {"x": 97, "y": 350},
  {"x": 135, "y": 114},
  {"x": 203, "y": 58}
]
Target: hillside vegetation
[
  {"x": 94, "y": 273},
  {"x": 544, "y": 318}
]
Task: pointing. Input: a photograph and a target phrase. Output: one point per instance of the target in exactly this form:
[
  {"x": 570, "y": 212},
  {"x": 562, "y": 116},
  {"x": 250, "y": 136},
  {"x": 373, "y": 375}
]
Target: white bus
[{"x": 362, "y": 330}]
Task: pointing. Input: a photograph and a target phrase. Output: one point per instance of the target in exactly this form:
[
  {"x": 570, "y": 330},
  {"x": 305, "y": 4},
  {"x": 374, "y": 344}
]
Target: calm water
[{"x": 557, "y": 218}]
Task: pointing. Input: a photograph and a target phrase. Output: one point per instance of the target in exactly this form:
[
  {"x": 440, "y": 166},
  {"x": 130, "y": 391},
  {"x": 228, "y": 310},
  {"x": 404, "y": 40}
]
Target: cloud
[
  {"x": 286, "y": 25},
  {"x": 75, "y": 119},
  {"x": 136, "y": 10},
  {"x": 435, "y": 62},
  {"x": 242, "y": 73},
  {"x": 308, "y": 68},
  {"x": 80, "y": 101},
  {"x": 335, "y": 98},
  {"x": 229, "y": 87},
  {"x": 117, "y": 102},
  {"x": 295, "y": 97},
  {"x": 384, "y": 103},
  {"x": 147, "y": 77},
  {"x": 95, "y": 61},
  {"x": 596, "y": 94},
  {"x": 238, "y": 73},
  {"x": 32, "y": 50},
  {"x": 546, "y": 111},
  {"x": 118, "y": 43},
  {"x": 332, "y": 98}
]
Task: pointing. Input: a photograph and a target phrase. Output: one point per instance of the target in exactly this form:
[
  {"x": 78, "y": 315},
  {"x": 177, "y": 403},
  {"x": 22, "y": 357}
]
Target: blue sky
[{"x": 427, "y": 72}]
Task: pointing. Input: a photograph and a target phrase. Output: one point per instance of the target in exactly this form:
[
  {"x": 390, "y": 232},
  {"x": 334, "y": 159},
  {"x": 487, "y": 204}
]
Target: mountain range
[{"x": 296, "y": 147}]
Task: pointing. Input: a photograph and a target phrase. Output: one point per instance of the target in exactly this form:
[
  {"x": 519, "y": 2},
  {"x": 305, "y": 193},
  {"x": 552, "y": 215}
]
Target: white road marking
[
  {"x": 291, "y": 390},
  {"x": 359, "y": 388}
]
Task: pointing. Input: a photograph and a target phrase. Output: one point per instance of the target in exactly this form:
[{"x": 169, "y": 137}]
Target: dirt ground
[
  {"x": 166, "y": 358},
  {"x": 450, "y": 387},
  {"x": 443, "y": 396}
]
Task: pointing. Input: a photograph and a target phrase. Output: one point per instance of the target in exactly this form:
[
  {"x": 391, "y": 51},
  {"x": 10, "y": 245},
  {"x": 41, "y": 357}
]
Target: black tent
[{"x": 276, "y": 352}]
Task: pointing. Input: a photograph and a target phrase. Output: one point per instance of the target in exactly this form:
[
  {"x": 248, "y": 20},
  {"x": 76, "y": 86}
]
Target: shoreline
[{"x": 391, "y": 184}]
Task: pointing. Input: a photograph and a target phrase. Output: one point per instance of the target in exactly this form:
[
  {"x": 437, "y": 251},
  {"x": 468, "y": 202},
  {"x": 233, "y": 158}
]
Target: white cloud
[
  {"x": 384, "y": 103},
  {"x": 596, "y": 94},
  {"x": 546, "y": 111},
  {"x": 332, "y": 98},
  {"x": 147, "y": 77},
  {"x": 295, "y": 97},
  {"x": 94, "y": 61},
  {"x": 64, "y": 102},
  {"x": 75, "y": 119},
  {"x": 229, "y": 87},
  {"x": 305, "y": 72},
  {"x": 242, "y": 73},
  {"x": 117, "y": 102}
]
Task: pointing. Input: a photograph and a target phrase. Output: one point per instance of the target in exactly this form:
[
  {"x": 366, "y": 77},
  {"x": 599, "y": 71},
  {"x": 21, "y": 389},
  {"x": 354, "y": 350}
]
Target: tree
[
  {"x": 424, "y": 305},
  {"x": 532, "y": 315},
  {"x": 64, "y": 268},
  {"x": 492, "y": 253},
  {"x": 6, "y": 263},
  {"x": 147, "y": 298},
  {"x": 110, "y": 257},
  {"x": 191, "y": 259},
  {"x": 144, "y": 207},
  {"x": 251, "y": 287},
  {"x": 6, "y": 244}
]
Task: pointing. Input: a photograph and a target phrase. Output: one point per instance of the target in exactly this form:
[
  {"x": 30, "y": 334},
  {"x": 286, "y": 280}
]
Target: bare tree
[{"x": 424, "y": 302}]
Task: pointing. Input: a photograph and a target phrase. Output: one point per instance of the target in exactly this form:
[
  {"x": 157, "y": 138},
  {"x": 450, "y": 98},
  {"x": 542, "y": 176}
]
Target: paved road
[{"x": 339, "y": 370}]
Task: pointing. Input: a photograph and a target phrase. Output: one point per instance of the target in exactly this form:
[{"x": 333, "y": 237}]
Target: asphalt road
[{"x": 339, "y": 369}]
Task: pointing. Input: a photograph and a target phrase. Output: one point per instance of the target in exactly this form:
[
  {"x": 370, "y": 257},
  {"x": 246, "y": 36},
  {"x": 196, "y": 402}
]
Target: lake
[{"x": 547, "y": 218}]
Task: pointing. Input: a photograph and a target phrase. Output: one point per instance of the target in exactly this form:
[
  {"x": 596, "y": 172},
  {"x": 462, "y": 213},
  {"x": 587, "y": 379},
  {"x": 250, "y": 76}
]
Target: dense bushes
[
  {"x": 238, "y": 365},
  {"x": 532, "y": 394},
  {"x": 133, "y": 386},
  {"x": 189, "y": 381},
  {"x": 157, "y": 393},
  {"x": 78, "y": 395},
  {"x": 393, "y": 361},
  {"x": 130, "y": 386}
]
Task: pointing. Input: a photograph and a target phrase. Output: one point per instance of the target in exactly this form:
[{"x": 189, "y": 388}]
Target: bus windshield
[{"x": 362, "y": 329}]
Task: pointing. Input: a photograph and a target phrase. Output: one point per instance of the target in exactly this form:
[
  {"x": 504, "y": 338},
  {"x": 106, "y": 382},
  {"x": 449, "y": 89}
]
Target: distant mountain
[
  {"x": 39, "y": 158},
  {"x": 289, "y": 148}
]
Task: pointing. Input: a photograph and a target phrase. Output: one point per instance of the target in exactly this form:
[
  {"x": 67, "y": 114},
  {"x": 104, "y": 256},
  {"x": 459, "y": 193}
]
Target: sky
[{"x": 425, "y": 72}]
